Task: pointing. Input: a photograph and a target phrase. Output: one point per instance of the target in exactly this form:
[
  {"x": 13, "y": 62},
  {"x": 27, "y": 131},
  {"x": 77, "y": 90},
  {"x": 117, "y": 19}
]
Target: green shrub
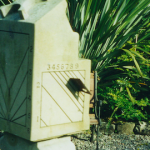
[
  {"x": 128, "y": 110},
  {"x": 130, "y": 92}
]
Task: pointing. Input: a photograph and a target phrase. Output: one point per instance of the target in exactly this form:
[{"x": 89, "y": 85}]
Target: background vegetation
[{"x": 114, "y": 34}]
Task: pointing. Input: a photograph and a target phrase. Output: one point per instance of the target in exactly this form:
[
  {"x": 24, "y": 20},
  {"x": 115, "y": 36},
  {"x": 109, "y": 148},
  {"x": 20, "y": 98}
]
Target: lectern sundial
[{"x": 44, "y": 87}]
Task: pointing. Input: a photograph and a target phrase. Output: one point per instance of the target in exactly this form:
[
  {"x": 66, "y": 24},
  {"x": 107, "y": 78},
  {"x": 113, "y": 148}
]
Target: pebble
[{"x": 112, "y": 142}]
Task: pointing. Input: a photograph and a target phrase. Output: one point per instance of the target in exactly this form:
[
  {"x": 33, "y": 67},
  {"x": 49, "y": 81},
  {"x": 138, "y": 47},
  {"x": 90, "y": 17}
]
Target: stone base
[{"x": 12, "y": 142}]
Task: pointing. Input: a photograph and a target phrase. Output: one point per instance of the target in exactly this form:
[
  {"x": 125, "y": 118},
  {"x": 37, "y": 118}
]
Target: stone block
[
  {"x": 12, "y": 142},
  {"x": 142, "y": 128},
  {"x": 105, "y": 129},
  {"x": 125, "y": 128}
]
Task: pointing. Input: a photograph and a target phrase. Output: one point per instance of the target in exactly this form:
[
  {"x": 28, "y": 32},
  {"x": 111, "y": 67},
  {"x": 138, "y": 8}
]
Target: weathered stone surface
[
  {"x": 105, "y": 129},
  {"x": 142, "y": 128},
  {"x": 11, "y": 142},
  {"x": 125, "y": 128},
  {"x": 39, "y": 67}
]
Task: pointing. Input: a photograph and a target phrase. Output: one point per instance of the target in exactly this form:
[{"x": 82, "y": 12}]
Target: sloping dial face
[
  {"x": 13, "y": 76},
  {"x": 61, "y": 101}
]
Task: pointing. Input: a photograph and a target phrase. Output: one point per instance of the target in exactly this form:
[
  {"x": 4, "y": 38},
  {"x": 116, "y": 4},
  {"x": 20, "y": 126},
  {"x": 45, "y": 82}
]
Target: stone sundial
[{"x": 43, "y": 85}]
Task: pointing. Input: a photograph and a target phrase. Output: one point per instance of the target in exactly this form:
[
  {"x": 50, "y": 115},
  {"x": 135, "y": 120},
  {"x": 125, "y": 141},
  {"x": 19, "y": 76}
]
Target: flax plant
[{"x": 105, "y": 26}]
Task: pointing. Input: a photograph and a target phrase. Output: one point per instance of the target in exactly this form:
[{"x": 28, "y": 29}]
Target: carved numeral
[
  {"x": 30, "y": 71},
  {"x": 77, "y": 66},
  {"x": 29, "y": 97},
  {"x": 29, "y": 115},
  {"x": 71, "y": 66},
  {"x": 28, "y": 130},
  {"x": 57, "y": 66},
  {"x": 67, "y": 66},
  {"x": 53, "y": 67},
  {"x": 48, "y": 67},
  {"x": 31, "y": 48},
  {"x": 38, "y": 85},
  {"x": 62, "y": 66}
]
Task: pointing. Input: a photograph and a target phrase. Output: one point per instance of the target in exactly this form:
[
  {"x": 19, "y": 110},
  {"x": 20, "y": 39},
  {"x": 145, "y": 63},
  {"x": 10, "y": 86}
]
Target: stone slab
[
  {"x": 126, "y": 128},
  {"x": 12, "y": 142}
]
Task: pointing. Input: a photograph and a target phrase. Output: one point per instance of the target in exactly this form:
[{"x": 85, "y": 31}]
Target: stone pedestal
[{"x": 11, "y": 142}]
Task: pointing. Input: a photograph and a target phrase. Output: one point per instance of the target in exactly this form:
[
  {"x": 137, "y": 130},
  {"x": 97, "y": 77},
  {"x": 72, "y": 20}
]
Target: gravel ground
[{"x": 112, "y": 142}]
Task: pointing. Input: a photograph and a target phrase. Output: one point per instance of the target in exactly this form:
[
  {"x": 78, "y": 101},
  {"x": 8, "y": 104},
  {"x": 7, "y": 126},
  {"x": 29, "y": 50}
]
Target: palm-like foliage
[
  {"x": 105, "y": 26},
  {"x": 107, "y": 30}
]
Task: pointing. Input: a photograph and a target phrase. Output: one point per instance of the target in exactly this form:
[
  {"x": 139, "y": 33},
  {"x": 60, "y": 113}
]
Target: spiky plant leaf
[{"x": 105, "y": 26}]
